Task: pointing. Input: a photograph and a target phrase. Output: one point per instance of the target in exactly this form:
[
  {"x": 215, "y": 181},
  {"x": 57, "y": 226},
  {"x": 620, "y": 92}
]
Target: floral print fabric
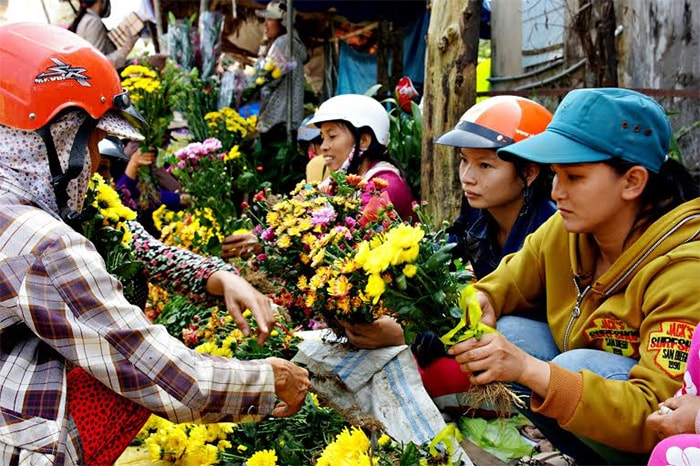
[{"x": 175, "y": 269}]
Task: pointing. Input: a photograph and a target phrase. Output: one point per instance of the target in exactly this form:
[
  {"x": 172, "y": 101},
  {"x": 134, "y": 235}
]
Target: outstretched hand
[
  {"x": 240, "y": 245},
  {"x": 240, "y": 295}
]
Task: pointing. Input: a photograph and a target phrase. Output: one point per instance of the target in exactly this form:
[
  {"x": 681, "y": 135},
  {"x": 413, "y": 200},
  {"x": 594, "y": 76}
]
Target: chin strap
[{"x": 76, "y": 162}]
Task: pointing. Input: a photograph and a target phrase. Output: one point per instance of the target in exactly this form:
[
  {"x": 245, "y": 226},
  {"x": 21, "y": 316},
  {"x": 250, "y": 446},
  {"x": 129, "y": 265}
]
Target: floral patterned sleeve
[{"x": 176, "y": 269}]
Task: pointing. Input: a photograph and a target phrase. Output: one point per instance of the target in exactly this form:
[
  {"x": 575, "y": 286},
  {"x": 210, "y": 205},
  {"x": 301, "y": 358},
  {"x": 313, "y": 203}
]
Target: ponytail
[{"x": 74, "y": 25}]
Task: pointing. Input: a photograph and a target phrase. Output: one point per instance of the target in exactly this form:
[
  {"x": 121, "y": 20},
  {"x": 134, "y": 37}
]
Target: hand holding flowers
[
  {"x": 265, "y": 71},
  {"x": 344, "y": 262}
]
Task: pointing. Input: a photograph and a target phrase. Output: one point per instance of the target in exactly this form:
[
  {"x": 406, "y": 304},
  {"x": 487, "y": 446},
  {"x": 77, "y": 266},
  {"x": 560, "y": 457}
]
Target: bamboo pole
[{"x": 290, "y": 80}]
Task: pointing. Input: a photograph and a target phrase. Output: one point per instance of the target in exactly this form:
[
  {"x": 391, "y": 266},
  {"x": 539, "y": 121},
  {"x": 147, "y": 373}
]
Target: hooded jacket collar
[{"x": 680, "y": 225}]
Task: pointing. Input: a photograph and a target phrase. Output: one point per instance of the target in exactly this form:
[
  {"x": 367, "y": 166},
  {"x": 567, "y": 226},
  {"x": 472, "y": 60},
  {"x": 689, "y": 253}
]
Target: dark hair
[
  {"x": 666, "y": 190},
  {"x": 541, "y": 186},
  {"x": 84, "y": 5},
  {"x": 375, "y": 151}
]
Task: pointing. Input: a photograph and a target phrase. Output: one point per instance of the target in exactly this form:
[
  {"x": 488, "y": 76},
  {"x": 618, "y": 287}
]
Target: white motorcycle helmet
[{"x": 358, "y": 110}]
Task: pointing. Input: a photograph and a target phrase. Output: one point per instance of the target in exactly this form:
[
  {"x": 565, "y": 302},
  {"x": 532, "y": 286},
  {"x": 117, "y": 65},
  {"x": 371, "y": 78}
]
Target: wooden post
[
  {"x": 450, "y": 89},
  {"x": 159, "y": 27}
]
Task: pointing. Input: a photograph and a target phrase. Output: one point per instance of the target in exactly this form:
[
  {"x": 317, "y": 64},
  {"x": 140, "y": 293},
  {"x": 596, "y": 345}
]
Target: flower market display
[{"x": 331, "y": 252}]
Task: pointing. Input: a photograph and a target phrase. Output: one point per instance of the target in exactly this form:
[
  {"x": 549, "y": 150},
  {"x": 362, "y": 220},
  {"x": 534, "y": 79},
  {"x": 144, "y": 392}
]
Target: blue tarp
[{"x": 357, "y": 71}]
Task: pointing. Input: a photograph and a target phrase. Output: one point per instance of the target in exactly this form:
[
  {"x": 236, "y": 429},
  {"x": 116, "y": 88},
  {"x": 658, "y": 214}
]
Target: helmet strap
[{"x": 76, "y": 162}]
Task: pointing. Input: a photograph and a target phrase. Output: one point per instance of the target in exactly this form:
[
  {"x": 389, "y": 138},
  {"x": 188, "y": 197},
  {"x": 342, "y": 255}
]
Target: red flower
[{"x": 376, "y": 205}]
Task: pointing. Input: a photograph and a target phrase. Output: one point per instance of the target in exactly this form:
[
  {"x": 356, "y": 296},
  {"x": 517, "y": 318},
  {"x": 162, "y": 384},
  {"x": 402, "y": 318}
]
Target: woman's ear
[
  {"x": 531, "y": 172},
  {"x": 365, "y": 141},
  {"x": 633, "y": 182}
]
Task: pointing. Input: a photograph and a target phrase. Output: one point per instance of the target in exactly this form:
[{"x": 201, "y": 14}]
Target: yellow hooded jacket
[{"x": 645, "y": 307}]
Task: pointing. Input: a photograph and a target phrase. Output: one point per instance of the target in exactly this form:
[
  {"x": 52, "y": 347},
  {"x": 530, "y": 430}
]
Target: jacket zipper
[{"x": 575, "y": 312}]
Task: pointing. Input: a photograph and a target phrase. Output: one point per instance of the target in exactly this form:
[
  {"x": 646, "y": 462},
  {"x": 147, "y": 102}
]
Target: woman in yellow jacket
[{"x": 617, "y": 270}]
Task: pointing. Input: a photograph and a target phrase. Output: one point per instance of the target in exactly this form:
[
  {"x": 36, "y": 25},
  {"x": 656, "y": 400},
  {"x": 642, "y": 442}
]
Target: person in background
[
  {"x": 355, "y": 132},
  {"x": 309, "y": 141},
  {"x": 616, "y": 270},
  {"x": 677, "y": 421},
  {"x": 60, "y": 307},
  {"x": 88, "y": 25},
  {"x": 127, "y": 180},
  {"x": 274, "y": 95}
]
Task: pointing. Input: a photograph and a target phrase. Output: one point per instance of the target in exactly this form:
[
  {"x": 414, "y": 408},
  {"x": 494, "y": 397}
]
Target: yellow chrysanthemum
[
  {"x": 349, "y": 448},
  {"x": 384, "y": 440},
  {"x": 233, "y": 154},
  {"x": 284, "y": 242},
  {"x": 263, "y": 458},
  {"x": 410, "y": 270},
  {"x": 339, "y": 286},
  {"x": 375, "y": 286},
  {"x": 362, "y": 254}
]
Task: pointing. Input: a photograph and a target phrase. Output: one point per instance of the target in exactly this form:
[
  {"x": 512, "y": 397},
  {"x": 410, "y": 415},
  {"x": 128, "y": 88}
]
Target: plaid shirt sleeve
[{"x": 64, "y": 295}]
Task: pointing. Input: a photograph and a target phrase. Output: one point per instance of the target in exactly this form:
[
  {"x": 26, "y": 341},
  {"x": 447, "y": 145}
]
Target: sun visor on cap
[
  {"x": 116, "y": 123},
  {"x": 473, "y": 136},
  {"x": 553, "y": 147},
  {"x": 274, "y": 10}
]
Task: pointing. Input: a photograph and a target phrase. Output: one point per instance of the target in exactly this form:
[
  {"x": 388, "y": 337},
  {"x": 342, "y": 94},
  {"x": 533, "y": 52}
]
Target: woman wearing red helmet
[
  {"x": 59, "y": 307},
  {"x": 505, "y": 198}
]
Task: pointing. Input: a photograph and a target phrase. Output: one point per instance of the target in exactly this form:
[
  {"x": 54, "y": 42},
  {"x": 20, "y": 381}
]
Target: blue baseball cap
[{"x": 593, "y": 125}]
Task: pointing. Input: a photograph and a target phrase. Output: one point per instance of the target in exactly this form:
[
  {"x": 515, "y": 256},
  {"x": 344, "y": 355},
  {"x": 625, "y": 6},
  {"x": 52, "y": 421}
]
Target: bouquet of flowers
[
  {"x": 211, "y": 24},
  {"x": 104, "y": 224},
  {"x": 262, "y": 76},
  {"x": 343, "y": 262},
  {"x": 151, "y": 93},
  {"x": 193, "y": 228},
  {"x": 227, "y": 125},
  {"x": 207, "y": 172},
  {"x": 151, "y": 96},
  {"x": 291, "y": 229},
  {"x": 180, "y": 40}
]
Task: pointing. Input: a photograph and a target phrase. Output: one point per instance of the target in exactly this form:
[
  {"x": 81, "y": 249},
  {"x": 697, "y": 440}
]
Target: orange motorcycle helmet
[{"x": 497, "y": 122}]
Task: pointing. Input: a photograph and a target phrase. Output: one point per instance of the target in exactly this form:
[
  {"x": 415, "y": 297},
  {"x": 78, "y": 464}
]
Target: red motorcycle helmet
[{"x": 47, "y": 69}]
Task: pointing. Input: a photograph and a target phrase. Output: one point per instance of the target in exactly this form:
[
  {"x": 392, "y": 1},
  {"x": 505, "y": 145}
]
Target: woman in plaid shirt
[{"x": 59, "y": 307}]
